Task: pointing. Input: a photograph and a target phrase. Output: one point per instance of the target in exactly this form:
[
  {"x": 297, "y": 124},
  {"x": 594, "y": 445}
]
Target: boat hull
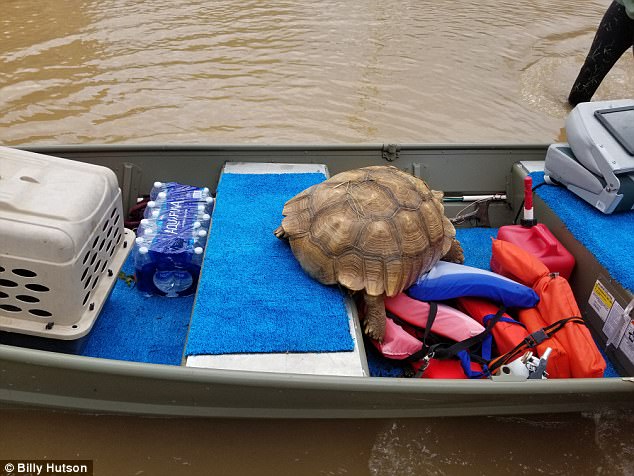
[
  {"x": 32, "y": 378},
  {"x": 45, "y": 379}
]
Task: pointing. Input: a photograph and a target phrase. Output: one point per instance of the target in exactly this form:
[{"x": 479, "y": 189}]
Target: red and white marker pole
[{"x": 528, "y": 219}]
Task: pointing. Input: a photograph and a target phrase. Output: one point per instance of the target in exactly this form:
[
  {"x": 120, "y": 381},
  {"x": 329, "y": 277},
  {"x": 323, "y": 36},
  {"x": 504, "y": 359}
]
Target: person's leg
[{"x": 614, "y": 36}]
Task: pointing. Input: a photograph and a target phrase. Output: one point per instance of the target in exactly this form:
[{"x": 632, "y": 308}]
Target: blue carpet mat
[
  {"x": 253, "y": 296},
  {"x": 610, "y": 238},
  {"x": 137, "y": 328},
  {"x": 476, "y": 244}
]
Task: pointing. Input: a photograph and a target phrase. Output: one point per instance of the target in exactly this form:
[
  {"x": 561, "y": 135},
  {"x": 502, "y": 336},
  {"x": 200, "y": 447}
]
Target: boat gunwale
[
  {"x": 366, "y": 146},
  {"x": 42, "y": 358}
]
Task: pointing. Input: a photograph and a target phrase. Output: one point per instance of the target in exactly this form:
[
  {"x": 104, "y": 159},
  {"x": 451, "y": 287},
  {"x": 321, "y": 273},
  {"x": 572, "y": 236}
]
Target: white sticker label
[
  {"x": 601, "y": 300},
  {"x": 627, "y": 343},
  {"x": 615, "y": 324}
]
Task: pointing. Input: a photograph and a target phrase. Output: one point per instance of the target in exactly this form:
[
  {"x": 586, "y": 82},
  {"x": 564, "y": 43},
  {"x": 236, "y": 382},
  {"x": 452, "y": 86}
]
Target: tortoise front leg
[
  {"x": 374, "y": 322},
  {"x": 280, "y": 232},
  {"x": 455, "y": 253}
]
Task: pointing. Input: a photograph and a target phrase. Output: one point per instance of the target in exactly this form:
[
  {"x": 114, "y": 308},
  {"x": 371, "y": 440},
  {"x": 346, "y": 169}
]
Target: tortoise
[{"x": 375, "y": 229}]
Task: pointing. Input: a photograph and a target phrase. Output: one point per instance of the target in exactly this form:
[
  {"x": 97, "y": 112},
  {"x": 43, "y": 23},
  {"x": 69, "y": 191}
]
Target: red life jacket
[
  {"x": 448, "y": 369},
  {"x": 507, "y": 332}
]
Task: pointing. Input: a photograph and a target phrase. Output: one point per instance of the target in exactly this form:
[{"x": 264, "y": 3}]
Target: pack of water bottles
[{"x": 171, "y": 239}]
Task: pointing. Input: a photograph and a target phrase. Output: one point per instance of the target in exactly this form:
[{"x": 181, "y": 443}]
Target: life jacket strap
[
  {"x": 534, "y": 339},
  {"x": 464, "y": 350},
  {"x": 509, "y": 320},
  {"x": 431, "y": 317},
  {"x": 442, "y": 351}
]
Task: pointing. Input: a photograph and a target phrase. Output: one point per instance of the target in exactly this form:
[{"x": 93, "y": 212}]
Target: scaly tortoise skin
[{"x": 374, "y": 229}]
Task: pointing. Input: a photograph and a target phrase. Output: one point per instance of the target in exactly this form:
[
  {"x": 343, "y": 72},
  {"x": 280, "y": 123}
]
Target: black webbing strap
[
  {"x": 443, "y": 352},
  {"x": 431, "y": 317},
  {"x": 534, "y": 339}
]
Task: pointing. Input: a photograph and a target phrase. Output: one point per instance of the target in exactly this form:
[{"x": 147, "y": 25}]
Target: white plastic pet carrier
[{"x": 62, "y": 243}]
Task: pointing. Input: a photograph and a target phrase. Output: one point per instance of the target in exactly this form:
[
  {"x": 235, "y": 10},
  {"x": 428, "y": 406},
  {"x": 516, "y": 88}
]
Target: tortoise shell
[{"x": 374, "y": 229}]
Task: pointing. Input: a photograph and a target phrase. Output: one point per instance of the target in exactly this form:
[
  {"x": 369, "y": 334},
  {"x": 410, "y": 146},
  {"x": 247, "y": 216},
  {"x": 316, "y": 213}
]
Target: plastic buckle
[
  {"x": 536, "y": 338},
  {"x": 425, "y": 363}
]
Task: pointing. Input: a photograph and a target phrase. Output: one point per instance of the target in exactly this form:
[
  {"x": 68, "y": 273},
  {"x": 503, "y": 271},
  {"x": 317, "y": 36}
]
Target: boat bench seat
[{"x": 255, "y": 308}]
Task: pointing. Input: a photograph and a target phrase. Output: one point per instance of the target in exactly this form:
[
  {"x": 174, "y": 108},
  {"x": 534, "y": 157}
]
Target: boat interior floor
[{"x": 277, "y": 324}]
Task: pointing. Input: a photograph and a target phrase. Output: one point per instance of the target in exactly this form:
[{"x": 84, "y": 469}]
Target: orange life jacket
[{"x": 574, "y": 353}]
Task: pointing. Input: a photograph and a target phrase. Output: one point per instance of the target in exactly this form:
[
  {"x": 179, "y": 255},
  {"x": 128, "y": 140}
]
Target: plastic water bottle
[
  {"x": 142, "y": 256},
  {"x": 154, "y": 208},
  {"x": 197, "y": 259},
  {"x": 172, "y": 281},
  {"x": 204, "y": 194},
  {"x": 205, "y": 220},
  {"x": 147, "y": 229},
  {"x": 145, "y": 233},
  {"x": 209, "y": 203},
  {"x": 156, "y": 189},
  {"x": 143, "y": 269},
  {"x": 146, "y": 225},
  {"x": 150, "y": 208},
  {"x": 175, "y": 281},
  {"x": 200, "y": 238}
]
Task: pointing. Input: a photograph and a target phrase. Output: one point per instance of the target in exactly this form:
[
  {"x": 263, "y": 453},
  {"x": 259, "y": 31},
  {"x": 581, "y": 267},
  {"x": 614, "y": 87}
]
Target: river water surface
[
  {"x": 263, "y": 72},
  {"x": 108, "y": 71}
]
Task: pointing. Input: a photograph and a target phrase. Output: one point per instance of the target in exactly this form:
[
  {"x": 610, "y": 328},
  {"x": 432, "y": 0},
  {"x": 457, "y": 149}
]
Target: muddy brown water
[{"x": 264, "y": 72}]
